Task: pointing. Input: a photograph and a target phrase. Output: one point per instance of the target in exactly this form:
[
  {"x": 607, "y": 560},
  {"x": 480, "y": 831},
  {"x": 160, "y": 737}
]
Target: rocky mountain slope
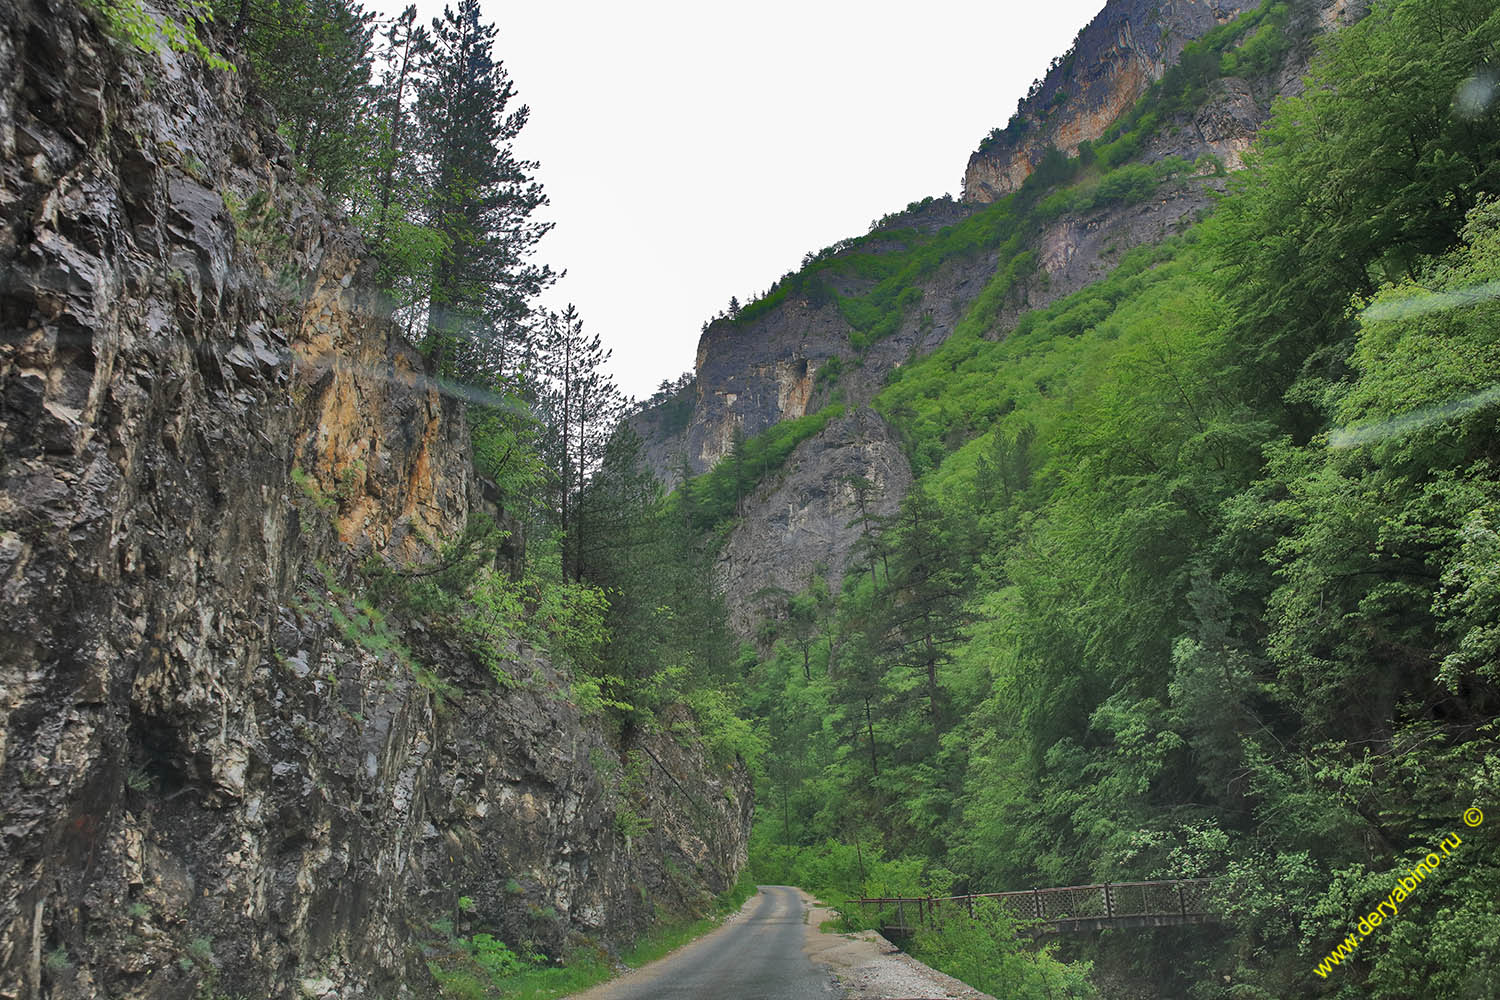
[
  {"x": 1115, "y": 58},
  {"x": 764, "y": 367},
  {"x": 220, "y": 772}
]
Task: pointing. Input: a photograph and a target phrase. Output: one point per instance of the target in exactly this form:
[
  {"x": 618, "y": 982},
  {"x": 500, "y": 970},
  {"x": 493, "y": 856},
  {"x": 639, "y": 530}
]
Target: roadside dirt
[{"x": 869, "y": 967}]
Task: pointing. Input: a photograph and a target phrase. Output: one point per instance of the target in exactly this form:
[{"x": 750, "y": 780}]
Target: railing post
[
  {"x": 1036, "y": 901},
  {"x": 1181, "y": 903},
  {"x": 1109, "y": 903}
]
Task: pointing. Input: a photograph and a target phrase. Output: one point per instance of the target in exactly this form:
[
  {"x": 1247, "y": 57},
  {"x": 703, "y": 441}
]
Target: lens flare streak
[
  {"x": 1431, "y": 302},
  {"x": 1351, "y": 437},
  {"x": 417, "y": 381}
]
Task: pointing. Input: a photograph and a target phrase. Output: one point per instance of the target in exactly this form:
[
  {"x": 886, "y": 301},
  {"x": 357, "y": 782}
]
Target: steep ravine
[
  {"x": 751, "y": 374},
  {"x": 1126, "y": 47},
  {"x": 210, "y": 782}
]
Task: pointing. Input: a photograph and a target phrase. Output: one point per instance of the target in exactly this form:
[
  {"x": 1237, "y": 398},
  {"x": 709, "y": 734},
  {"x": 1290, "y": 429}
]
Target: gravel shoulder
[{"x": 869, "y": 967}]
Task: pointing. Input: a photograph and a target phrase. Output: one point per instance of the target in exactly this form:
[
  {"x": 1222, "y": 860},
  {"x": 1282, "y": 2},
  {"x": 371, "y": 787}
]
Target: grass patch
[{"x": 990, "y": 953}]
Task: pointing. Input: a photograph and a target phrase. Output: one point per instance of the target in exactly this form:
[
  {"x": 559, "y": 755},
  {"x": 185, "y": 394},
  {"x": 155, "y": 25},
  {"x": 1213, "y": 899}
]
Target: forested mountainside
[
  {"x": 300, "y": 694},
  {"x": 1136, "y": 517},
  {"x": 1132, "y": 517},
  {"x": 806, "y": 360}
]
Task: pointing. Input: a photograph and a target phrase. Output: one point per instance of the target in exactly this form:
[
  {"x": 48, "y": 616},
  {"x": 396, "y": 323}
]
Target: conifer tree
[
  {"x": 921, "y": 615},
  {"x": 482, "y": 199},
  {"x": 313, "y": 59},
  {"x": 406, "y": 45},
  {"x": 869, "y": 546},
  {"x": 581, "y": 405}
]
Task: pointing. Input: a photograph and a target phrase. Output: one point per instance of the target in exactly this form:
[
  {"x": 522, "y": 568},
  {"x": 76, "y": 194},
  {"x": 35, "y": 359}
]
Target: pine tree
[
  {"x": 312, "y": 59},
  {"x": 857, "y": 673},
  {"x": 406, "y": 45},
  {"x": 921, "y": 620},
  {"x": 482, "y": 199},
  {"x": 581, "y": 407},
  {"x": 869, "y": 546}
]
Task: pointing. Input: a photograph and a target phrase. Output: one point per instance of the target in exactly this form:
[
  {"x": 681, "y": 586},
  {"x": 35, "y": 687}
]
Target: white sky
[{"x": 694, "y": 151}]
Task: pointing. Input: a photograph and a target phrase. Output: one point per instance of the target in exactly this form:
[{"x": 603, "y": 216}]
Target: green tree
[
  {"x": 313, "y": 60},
  {"x": 1344, "y": 190},
  {"x": 580, "y": 407},
  {"x": 920, "y": 615},
  {"x": 406, "y": 45},
  {"x": 482, "y": 199}
]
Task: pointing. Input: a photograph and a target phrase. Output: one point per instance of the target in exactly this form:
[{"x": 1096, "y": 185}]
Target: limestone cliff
[
  {"x": 1115, "y": 58},
  {"x": 216, "y": 774},
  {"x": 754, "y": 372},
  {"x": 800, "y": 523}
]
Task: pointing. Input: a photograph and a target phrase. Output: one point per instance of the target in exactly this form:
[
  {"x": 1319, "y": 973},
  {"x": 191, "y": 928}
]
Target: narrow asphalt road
[{"x": 757, "y": 956}]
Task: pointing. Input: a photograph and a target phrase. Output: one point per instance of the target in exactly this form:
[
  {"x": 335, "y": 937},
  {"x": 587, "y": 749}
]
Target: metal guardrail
[{"x": 1070, "y": 907}]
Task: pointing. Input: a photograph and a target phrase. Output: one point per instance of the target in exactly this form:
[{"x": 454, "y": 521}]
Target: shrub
[{"x": 986, "y": 953}]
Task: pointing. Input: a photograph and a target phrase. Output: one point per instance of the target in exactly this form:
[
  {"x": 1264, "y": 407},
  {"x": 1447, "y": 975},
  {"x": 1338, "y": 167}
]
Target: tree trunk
[
  {"x": 932, "y": 685},
  {"x": 393, "y": 143}
]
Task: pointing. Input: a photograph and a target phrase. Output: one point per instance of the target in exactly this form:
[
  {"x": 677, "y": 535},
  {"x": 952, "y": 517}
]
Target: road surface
[{"x": 758, "y": 955}]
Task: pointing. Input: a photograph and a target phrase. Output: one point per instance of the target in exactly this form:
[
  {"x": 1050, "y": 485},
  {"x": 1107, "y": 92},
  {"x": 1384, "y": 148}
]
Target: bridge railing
[{"x": 1103, "y": 901}]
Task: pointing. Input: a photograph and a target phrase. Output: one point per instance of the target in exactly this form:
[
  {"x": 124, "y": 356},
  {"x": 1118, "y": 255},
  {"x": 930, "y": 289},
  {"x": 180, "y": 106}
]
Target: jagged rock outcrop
[
  {"x": 216, "y": 773},
  {"x": 752, "y": 374},
  {"x": 1115, "y": 58},
  {"x": 1126, "y": 48},
  {"x": 744, "y": 383}
]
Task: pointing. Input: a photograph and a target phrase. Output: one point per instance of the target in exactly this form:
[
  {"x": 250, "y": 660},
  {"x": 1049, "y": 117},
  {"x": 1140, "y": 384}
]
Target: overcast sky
[{"x": 696, "y": 150}]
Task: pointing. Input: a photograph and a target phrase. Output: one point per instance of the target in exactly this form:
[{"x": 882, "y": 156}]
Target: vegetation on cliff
[
  {"x": 875, "y": 279},
  {"x": 1197, "y": 578},
  {"x": 411, "y": 129},
  {"x": 1248, "y": 45},
  {"x": 578, "y": 552}
]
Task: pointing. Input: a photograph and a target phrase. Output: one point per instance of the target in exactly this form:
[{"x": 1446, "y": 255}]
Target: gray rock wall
[
  {"x": 1118, "y": 55},
  {"x": 215, "y": 778},
  {"x": 806, "y": 518},
  {"x": 1128, "y": 46},
  {"x": 801, "y": 517}
]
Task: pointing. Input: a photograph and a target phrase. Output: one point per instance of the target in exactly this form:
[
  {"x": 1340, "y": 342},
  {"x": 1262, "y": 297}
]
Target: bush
[
  {"x": 986, "y": 953},
  {"x": 493, "y": 956}
]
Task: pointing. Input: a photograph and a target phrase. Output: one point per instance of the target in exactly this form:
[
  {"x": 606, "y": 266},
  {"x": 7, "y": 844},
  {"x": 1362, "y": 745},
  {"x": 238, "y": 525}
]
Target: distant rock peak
[{"x": 1128, "y": 46}]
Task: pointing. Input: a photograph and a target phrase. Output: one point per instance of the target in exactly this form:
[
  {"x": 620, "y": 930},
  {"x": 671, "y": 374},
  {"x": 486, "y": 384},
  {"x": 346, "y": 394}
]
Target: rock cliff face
[
  {"x": 751, "y": 375},
  {"x": 1116, "y": 57},
  {"x": 802, "y": 522},
  {"x": 1127, "y": 47},
  {"x": 216, "y": 773}
]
